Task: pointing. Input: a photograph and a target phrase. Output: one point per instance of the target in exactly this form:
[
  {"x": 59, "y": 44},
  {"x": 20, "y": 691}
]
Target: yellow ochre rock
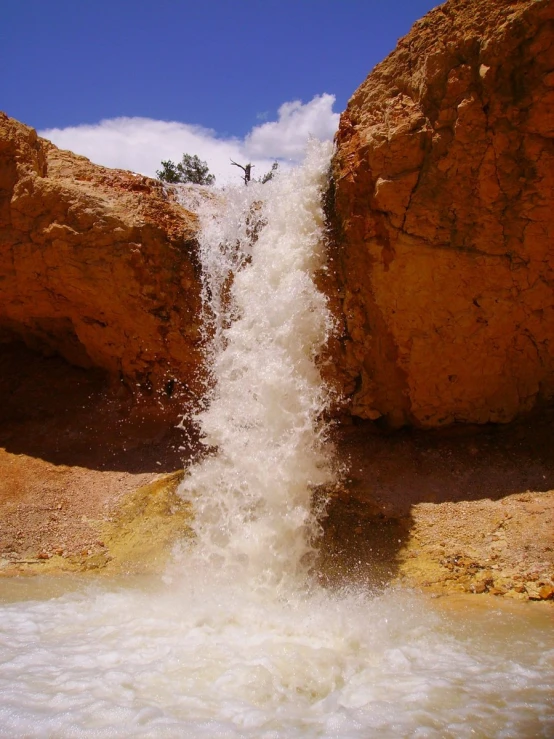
[{"x": 444, "y": 185}]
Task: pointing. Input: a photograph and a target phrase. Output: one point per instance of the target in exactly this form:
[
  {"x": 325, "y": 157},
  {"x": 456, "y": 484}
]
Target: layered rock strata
[
  {"x": 96, "y": 265},
  {"x": 444, "y": 178}
]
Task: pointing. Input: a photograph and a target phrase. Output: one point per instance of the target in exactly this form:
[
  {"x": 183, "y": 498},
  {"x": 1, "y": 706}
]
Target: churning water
[
  {"x": 239, "y": 640},
  {"x": 217, "y": 662},
  {"x": 252, "y": 500}
]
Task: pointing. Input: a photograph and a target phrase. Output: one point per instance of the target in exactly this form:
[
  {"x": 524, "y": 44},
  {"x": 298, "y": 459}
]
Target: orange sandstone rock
[
  {"x": 444, "y": 207},
  {"x": 96, "y": 264}
]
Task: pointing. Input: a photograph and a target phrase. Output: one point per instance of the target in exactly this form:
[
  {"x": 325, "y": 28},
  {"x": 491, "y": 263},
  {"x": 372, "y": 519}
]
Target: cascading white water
[
  {"x": 241, "y": 645},
  {"x": 260, "y": 248}
]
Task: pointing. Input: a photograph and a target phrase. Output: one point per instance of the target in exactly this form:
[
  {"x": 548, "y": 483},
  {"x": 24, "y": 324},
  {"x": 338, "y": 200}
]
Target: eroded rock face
[
  {"x": 444, "y": 180},
  {"x": 96, "y": 264}
]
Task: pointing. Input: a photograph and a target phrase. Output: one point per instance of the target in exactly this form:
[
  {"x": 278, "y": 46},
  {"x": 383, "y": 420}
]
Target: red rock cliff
[
  {"x": 445, "y": 210},
  {"x": 95, "y": 264}
]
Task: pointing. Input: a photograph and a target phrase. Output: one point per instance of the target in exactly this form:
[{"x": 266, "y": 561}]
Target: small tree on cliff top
[
  {"x": 271, "y": 174},
  {"x": 190, "y": 169}
]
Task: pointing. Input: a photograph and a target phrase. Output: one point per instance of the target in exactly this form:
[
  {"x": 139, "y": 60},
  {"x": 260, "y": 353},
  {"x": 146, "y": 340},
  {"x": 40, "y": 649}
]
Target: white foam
[
  {"x": 226, "y": 662},
  {"x": 261, "y": 247}
]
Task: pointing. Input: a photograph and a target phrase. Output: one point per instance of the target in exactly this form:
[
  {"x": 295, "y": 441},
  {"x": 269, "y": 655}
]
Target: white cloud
[
  {"x": 286, "y": 137},
  {"x": 140, "y": 144}
]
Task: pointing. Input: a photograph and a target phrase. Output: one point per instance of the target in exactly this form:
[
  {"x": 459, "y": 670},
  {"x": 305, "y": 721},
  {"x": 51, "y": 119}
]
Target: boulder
[
  {"x": 443, "y": 204},
  {"x": 97, "y": 265}
]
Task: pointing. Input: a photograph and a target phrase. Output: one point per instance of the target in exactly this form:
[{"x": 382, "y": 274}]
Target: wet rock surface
[{"x": 443, "y": 201}]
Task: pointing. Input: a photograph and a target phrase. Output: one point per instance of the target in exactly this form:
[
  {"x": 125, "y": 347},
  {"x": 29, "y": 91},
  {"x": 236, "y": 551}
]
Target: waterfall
[
  {"x": 266, "y": 321},
  {"x": 242, "y": 645}
]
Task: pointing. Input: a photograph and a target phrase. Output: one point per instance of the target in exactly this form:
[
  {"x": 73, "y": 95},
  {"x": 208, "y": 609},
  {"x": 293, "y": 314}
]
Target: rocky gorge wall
[
  {"x": 96, "y": 265},
  {"x": 444, "y": 186}
]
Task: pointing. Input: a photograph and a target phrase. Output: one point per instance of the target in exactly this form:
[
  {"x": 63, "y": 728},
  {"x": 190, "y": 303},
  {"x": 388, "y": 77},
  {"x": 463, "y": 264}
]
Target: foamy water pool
[{"x": 201, "y": 660}]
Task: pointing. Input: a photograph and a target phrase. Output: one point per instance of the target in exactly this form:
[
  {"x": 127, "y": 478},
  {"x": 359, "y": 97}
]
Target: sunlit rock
[
  {"x": 444, "y": 181},
  {"x": 97, "y": 265}
]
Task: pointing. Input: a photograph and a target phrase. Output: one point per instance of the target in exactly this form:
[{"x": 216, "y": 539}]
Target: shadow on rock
[
  {"x": 71, "y": 416},
  {"x": 467, "y": 509}
]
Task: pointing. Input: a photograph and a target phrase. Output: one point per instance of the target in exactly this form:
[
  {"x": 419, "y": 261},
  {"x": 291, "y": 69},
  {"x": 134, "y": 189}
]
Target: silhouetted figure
[{"x": 246, "y": 169}]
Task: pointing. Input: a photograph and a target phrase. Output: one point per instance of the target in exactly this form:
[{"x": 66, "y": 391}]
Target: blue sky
[{"x": 219, "y": 67}]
